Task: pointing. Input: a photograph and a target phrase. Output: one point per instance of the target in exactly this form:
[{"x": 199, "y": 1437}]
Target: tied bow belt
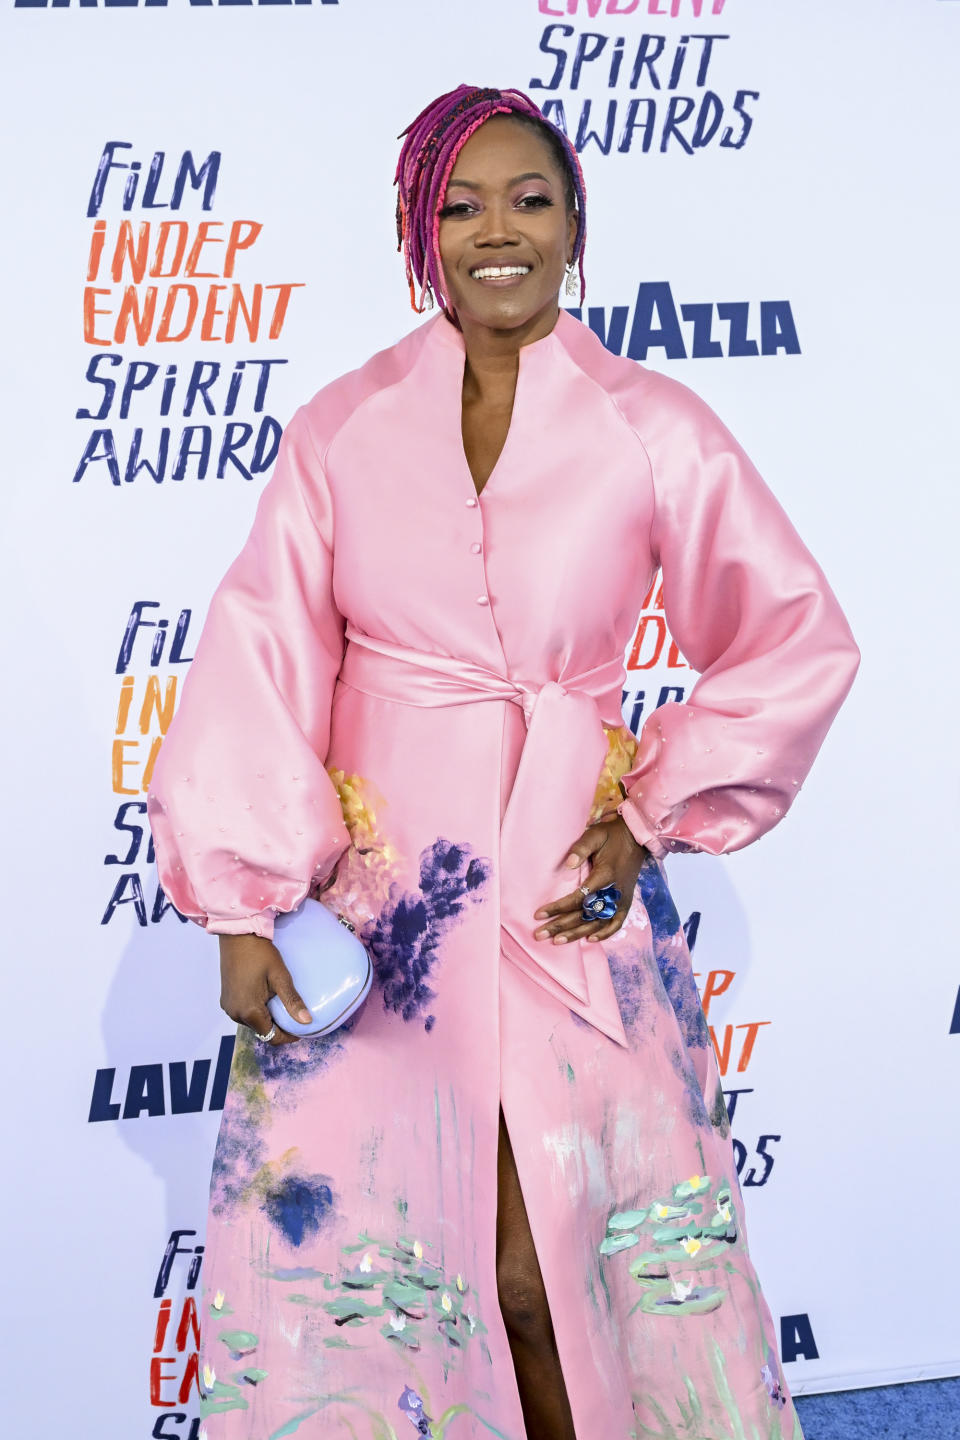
[{"x": 549, "y": 804}]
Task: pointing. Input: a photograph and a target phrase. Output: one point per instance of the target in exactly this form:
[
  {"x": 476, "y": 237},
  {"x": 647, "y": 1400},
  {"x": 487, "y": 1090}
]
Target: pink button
[
  {"x": 483, "y": 600},
  {"x": 472, "y": 500},
  {"x": 476, "y": 547}
]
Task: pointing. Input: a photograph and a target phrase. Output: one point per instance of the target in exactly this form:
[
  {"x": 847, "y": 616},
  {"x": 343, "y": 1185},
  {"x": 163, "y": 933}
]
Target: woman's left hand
[{"x": 615, "y": 858}]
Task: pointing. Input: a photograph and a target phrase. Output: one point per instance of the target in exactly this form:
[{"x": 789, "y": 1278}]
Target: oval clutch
[{"x": 329, "y": 966}]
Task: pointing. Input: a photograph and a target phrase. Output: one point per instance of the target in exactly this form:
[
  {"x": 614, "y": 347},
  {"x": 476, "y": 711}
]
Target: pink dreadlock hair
[{"x": 434, "y": 140}]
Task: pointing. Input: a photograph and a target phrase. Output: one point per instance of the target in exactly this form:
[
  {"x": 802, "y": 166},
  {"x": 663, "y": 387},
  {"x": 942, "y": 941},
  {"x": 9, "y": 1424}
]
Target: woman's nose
[{"x": 497, "y": 226}]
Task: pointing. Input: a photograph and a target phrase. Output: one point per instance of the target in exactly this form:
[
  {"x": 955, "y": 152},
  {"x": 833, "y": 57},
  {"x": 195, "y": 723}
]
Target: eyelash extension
[{"x": 461, "y": 207}]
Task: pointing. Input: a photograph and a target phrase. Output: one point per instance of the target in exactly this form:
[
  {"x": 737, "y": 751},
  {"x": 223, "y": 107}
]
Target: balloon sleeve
[
  {"x": 752, "y": 611},
  {"x": 243, "y": 813}
]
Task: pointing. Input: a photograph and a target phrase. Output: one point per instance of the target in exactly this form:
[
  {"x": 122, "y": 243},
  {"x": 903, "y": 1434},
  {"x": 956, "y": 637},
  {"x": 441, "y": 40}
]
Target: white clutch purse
[{"x": 329, "y": 966}]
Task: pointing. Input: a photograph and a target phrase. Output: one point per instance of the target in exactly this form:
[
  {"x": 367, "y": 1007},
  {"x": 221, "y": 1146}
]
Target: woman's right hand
[{"x": 251, "y": 970}]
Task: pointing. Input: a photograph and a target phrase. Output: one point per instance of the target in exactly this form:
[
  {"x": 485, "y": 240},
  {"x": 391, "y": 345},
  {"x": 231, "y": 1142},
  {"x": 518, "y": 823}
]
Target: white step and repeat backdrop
[{"x": 198, "y": 232}]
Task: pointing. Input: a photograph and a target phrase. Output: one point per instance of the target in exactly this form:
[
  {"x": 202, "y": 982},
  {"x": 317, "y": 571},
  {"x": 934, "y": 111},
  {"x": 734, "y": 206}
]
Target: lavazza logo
[
  {"x": 135, "y": 4},
  {"x": 695, "y": 330}
]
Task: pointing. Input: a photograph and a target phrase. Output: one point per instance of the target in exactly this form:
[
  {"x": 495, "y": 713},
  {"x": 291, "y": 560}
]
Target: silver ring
[
  {"x": 584, "y": 890},
  {"x": 269, "y": 1035}
]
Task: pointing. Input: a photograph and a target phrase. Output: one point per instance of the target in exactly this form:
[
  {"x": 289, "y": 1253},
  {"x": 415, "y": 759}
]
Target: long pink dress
[{"x": 428, "y": 687}]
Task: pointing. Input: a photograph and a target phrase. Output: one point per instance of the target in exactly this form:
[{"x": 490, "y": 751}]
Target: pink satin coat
[{"x": 422, "y": 684}]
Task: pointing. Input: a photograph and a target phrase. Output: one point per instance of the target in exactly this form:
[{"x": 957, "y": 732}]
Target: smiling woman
[
  {"x": 498, "y": 231},
  {"x": 502, "y": 1199},
  {"x": 429, "y": 176}
]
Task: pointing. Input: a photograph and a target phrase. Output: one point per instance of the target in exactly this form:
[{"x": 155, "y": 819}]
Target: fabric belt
[{"x": 549, "y": 805}]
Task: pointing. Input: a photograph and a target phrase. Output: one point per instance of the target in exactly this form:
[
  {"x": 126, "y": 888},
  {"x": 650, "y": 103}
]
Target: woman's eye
[{"x": 461, "y": 208}]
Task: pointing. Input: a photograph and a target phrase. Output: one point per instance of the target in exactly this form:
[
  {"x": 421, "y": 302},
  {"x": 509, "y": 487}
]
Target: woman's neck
[{"x": 492, "y": 356}]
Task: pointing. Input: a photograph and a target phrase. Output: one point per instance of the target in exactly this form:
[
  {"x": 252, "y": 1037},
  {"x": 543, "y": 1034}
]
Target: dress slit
[{"x": 540, "y": 1268}]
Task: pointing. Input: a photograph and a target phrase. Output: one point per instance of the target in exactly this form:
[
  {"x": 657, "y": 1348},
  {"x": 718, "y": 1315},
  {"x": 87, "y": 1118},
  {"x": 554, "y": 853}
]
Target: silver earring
[{"x": 572, "y": 284}]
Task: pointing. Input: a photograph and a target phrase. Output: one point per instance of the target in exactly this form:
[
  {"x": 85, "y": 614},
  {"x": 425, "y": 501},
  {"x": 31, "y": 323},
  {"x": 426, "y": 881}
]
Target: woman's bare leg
[{"x": 523, "y": 1303}]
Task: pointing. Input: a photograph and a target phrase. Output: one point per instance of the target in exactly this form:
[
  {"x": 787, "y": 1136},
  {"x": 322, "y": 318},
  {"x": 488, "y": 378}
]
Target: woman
[{"x": 502, "y": 1199}]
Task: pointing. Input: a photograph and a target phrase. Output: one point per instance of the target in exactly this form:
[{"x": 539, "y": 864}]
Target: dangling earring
[{"x": 572, "y": 284}]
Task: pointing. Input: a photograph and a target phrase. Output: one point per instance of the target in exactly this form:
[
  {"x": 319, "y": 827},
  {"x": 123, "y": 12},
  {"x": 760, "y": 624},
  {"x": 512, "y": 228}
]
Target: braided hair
[{"x": 433, "y": 142}]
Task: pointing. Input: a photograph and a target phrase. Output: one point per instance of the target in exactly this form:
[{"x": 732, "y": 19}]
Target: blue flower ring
[{"x": 601, "y": 904}]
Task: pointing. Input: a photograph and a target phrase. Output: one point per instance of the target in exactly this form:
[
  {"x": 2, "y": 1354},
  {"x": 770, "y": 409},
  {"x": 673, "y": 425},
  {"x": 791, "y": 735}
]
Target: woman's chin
[{"x": 505, "y": 311}]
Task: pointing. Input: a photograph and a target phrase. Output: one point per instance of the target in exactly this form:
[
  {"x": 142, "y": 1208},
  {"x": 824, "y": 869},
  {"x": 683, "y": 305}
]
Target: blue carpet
[{"x": 923, "y": 1410}]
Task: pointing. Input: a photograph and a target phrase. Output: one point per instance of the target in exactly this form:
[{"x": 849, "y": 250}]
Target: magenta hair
[{"x": 433, "y": 142}]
